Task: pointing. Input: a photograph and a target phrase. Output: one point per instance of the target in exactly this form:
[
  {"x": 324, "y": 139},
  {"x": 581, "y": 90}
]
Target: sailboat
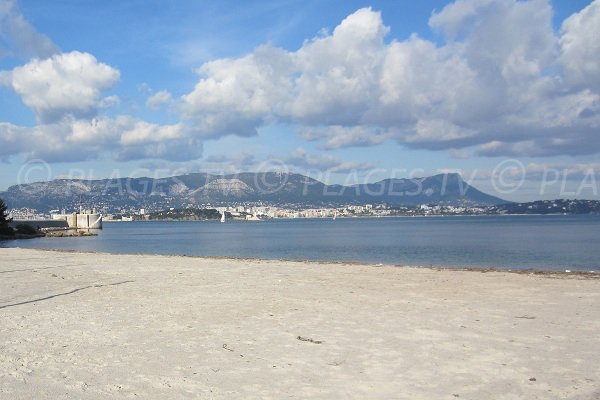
[
  {"x": 223, "y": 217},
  {"x": 335, "y": 215}
]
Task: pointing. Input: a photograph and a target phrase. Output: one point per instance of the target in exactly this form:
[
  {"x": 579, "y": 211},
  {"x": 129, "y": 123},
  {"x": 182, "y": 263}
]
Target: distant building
[{"x": 87, "y": 219}]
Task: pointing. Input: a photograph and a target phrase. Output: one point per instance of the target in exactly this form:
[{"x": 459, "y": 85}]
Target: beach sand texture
[{"x": 98, "y": 326}]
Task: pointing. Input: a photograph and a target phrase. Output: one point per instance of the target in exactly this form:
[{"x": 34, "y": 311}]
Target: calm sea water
[{"x": 517, "y": 242}]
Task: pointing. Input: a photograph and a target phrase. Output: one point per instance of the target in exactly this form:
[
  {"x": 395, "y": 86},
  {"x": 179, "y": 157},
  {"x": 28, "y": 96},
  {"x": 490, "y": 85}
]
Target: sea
[{"x": 538, "y": 242}]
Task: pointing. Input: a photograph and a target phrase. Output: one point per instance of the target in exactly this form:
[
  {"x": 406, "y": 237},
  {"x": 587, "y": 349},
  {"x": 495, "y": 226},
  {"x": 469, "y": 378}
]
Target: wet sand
[{"x": 96, "y": 326}]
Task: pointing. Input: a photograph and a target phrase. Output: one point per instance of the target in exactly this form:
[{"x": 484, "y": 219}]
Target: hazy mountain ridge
[
  {"x": 558, "y": 206},
  {"x": 274, "y": 188}
]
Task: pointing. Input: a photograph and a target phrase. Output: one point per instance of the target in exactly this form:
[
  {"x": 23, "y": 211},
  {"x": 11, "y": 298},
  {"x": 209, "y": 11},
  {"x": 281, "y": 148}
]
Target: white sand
[{"x": 154, "y": 327}]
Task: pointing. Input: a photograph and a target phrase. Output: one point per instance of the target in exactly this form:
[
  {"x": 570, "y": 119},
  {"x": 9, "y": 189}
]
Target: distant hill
[
  {"x": 447, "y": 189},
  {"x": 197, "y": 189},
  {"x": 190, "y": 214},
  {"x": 559, "y": 206}
]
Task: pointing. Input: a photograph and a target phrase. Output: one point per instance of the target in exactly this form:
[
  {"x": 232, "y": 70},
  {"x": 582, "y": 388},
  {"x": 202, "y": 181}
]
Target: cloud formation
[
  {"x": 322, "y": 162},
  {"x": 500, "y": 81},
  {"x": 124, "y": 138},
  {"x": 503, "y": 81},
  {"x": 580, "y": 48},
  {"x": 18, "y": 38},
  {"x": 336, "y": 136},
  {"x": 236, "y": 96},
  {"x": 298, "y": 160},
  {"x": 64, "y": 84},
  {"x": 65, "y": 92},
  {"x": 158, "y": 99}
]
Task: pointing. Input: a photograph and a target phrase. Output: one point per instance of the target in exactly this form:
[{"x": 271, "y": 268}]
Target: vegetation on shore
[
  {"x": 559, "y": 206},
  {"x": 188, "y": 214},
  {"x": 21, "y": 231},
  {"x": 5, "y": 229}
]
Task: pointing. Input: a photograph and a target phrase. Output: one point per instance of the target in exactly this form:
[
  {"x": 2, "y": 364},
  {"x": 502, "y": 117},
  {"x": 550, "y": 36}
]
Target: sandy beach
[{"x": 97, "y": 326}]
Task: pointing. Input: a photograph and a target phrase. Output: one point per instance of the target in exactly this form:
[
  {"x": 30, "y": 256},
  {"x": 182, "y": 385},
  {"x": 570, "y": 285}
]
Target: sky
[{"x": 505, "y": 92}]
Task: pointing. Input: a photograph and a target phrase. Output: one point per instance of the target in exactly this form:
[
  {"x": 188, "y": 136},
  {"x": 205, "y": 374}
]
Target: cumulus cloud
[
  {"x": 18, "y": 38},
  {"x": 580, "y": 47},
  {"x": 502, "y": 81},
  {"x": 337, "y": 136},
  {"x": 245, "y": 159},
  {"x": 230, "y": 163},
  {"x": 323, "y": 162},
  {"x": 123, "y": 138},
  {"x": 11, "y": 140},
  {"x": 235, "y": 96},
  {"x": 551, "y": 173},
  {"x": 184, "y": 149},
  {"x": 159, "y": 99},
  {"x": 297, "y": 160},
  {"x": 140, "y": 139},
  {"x": 338, "y": 74},
  {"x": 65, "y": 92},
  {"x": 109, "y": 102},
  {"x": 65, "y": 84}
]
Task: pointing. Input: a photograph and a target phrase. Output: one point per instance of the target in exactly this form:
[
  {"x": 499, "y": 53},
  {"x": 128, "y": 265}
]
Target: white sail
[{"x": 223, "y": 217}]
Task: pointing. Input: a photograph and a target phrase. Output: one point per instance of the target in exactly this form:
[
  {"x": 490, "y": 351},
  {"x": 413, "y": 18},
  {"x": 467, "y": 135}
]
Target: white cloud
[
  {"x": 502, "y": 82},
  {"x": 494, "y": 80},
  {"x": 65, "y": 92},
  {"x": 159, "y": 99},
  {"x": 142, "y": 132},
  {"x": 336, "y": 136},
  {"x": 237, "y": 159},
  {"x": 323, "y": 162},
  {"x": 11, "y": 140},
  {"x": 123, "y": 138},
  {"x": 297, "y": 160},
  {"x": 65, "y": 84},
  {"x": 580, "y": 47},
  {"x": 183, "y": 149},
  {"x": 338, "y": 74},
  {"x": 18, "y": 37},
  {"x": 550, "y": 173},
  {"x": 235, "y": 96},
  {"x": 109, "y": 102},
  {"x": 229, "y": 163}
]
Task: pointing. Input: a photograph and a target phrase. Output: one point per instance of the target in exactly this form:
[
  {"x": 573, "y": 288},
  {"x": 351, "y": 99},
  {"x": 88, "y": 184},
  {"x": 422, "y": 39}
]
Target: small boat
[
  {"x": 223, "y": 217},
  {"x": 334, "y": 216}
]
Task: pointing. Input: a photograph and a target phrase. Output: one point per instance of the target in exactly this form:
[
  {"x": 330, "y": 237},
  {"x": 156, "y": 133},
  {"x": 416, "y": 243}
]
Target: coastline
[
  {"x": 588, "y": 274},
  {"x": 20, "y": 236},
  {"x": 529, "y": 243},
  {"x": 97, "y": 325},
  {"x": 367, "y": 217}
]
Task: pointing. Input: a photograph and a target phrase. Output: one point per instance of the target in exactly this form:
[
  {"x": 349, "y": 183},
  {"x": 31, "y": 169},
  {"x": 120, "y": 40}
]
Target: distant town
[
  {"x": 256, "y": 212},
  {"x": 260, "y": 196}
]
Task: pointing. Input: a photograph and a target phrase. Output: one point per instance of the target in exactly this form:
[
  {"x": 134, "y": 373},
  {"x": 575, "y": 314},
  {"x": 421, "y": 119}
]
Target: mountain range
[{"x": 197, "y": 189}]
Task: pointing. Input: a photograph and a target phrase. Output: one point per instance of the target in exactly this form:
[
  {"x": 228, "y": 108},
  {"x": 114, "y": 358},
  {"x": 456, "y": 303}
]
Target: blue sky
[{"x": 506, "y": 92}]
